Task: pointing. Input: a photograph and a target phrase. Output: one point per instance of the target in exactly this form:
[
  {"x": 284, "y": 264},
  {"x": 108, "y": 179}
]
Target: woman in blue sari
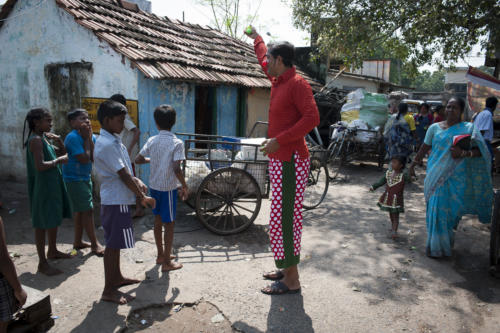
[{"x": 458, "y": 181}]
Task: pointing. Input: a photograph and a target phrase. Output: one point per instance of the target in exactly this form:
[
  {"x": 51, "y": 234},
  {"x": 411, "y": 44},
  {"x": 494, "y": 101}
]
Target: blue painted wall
[
  {"x": 181, "y": 96},
  {"x": 227, "y": 112}
]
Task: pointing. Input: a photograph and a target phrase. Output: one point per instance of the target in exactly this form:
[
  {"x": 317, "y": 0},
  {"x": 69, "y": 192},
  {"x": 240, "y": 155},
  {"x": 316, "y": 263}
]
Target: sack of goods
[
  {"x": 369, "y": 107},
  {"x": 363, "y": 136},
  {"x": 196, "y": 171}
]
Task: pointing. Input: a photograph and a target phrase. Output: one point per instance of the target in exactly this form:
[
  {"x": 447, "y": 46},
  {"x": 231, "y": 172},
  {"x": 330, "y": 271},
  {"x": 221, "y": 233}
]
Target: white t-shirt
[
  {"x": 164, "y": 149},
  {"x": 484, "y": 122},
  {"x": 127, "y": 136}
]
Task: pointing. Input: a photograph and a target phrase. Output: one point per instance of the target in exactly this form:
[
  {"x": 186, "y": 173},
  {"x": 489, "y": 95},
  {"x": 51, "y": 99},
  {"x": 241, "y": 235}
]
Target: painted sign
[{"x": 91, "y": 104}]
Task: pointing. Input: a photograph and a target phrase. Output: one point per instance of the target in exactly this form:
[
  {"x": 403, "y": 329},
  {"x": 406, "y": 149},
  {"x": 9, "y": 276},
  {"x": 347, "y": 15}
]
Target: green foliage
[
  {"x": 424, "y": 81},
  {"x": 413, "y": 31}
]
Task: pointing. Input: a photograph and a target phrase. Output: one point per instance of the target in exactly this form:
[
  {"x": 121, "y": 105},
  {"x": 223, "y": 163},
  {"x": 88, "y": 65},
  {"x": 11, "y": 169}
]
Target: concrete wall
[
  {"x": 257, "y": 108},
  {"x": 227, "y": 110},
  {"x": 181, "y": 96},
  {"x": 47, "y": 59}
]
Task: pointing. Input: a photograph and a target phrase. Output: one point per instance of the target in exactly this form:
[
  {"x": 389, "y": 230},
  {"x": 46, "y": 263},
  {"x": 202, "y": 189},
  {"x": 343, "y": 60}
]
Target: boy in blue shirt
[
  {"x": 119, "y": 190},
  {"x": 79, "y": 145}
]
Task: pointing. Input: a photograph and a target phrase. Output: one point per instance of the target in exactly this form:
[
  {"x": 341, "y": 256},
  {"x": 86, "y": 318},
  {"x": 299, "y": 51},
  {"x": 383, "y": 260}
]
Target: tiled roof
[{"x": 163, "y": 48}]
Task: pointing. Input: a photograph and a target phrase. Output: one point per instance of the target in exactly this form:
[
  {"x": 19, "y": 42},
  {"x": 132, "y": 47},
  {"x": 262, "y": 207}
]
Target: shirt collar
[
  {"x": 285, "y": 76},
  {"x": 165, "y": 132},
  {"x": 110, "y": 136}
]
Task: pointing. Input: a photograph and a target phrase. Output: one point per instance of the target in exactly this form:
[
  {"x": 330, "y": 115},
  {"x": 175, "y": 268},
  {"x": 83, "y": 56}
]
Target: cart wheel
[
  {"x": 495, "y": 232},
  {"x": 317, "y": 184},
  {"x": 228, "y": 201}
]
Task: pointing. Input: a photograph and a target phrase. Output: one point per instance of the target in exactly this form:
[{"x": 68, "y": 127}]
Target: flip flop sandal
[
  {"x": 279, "y": 288},
  {"x": 273, "y": 276}
]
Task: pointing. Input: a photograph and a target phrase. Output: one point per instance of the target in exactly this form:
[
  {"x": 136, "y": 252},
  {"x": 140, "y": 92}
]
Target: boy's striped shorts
[{"x": 117, "y": 223}]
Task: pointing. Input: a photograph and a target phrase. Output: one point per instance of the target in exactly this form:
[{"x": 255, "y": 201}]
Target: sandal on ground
[
  {"x": 274, "y": 275},
  {"x": 279, "y": 288}
]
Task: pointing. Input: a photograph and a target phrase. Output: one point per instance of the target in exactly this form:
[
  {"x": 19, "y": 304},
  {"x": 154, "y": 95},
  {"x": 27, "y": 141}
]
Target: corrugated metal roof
[{"x": 162, "y": 48}]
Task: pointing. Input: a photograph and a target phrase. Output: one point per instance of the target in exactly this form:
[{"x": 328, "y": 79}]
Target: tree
[
  {"x": 425, "y": 81},
  {"x": 227, "y": 15},
  {"x": 415, "y": 31}
]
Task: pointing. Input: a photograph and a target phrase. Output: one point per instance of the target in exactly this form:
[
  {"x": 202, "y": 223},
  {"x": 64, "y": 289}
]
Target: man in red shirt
[{"x": 292, "y": 115}]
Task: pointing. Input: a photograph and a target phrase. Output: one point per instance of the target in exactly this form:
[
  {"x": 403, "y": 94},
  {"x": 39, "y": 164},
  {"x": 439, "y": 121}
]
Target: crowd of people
[{"x": 458, "y": 175}]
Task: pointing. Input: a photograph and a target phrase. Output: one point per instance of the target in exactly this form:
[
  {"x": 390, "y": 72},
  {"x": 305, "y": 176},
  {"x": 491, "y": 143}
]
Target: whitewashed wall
[{"x": 30, "y": 40}]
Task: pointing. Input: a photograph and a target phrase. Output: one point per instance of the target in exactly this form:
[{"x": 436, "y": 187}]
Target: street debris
[
  {"x": 177, "y": 308},
  {"x": 356, "y": 289},
  {"x": 144, "y": 322},
  {"x": 139, "y": 261},
  {"x": 218, "y": 318}
]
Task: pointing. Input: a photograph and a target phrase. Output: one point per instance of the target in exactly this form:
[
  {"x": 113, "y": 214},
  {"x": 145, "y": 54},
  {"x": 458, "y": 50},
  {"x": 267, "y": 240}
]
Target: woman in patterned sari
[{"x": 458, "y": 181}]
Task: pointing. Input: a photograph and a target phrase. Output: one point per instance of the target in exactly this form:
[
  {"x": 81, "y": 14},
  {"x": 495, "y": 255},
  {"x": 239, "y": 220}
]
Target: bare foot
[
  {"x": 126, "y": 282},
  {"x": 160, "y": 260},
  {"x": 81, "y": 246},
  {"x": 58, "y": 255},
  {"x": 394, "y": 235},
  {"x": 172, "y": 266},
  {"x": 98, "y": 250},
  {"x": 48, "y": 270},
  {"x": 116, "y": 297}
]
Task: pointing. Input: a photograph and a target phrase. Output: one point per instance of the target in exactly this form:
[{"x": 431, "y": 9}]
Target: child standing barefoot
[
  {"x": 119, "y": 189},
  {"x": 165, "y": 153},
  {"x": 392, "y": 200},
  {"x": 79, "y": 144},
  {"x": 49, "y": 202}
]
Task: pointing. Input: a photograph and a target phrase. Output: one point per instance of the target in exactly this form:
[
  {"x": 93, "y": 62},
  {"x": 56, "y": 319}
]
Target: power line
[{"x": 24, "y": 12}]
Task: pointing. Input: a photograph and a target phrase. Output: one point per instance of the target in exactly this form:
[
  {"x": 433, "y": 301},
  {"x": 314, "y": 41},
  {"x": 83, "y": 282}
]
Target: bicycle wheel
[
  {"x": 336, "y": 158},
  {"x": 317, "y": 184},
  {"x": 495, "y": 233}
]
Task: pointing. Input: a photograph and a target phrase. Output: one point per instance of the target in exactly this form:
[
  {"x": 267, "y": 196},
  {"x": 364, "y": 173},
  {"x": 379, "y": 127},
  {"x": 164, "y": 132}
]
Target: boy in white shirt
[
  {"x": 165, "y": 152},
  {"x": 119, "y": 190}
]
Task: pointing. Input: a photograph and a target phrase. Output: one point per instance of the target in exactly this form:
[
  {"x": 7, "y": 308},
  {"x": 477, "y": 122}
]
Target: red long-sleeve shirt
[{"x": 292, "y": 112}]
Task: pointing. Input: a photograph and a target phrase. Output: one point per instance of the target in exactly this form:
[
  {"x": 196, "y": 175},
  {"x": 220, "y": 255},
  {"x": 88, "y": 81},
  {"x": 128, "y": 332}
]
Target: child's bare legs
[
  {"x": 113, "y": 278},
  {"x": 78, "y": 244},
  {"x": 394, "y": 224},
  {"x": 158, "y": 229},
  {"x": 168, "y": 264},
  {"x": 43, "y": 265},
  {"x": 53, "y": 252},
  {"x": 88, "y": 224}
]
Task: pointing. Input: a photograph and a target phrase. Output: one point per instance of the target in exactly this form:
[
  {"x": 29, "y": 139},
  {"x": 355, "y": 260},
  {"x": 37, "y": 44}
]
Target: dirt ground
[{"x": 354, "y": 278}]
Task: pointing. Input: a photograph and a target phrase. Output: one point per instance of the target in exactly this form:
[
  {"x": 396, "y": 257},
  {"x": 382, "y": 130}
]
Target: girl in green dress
[{"x": 49, "y": 202}]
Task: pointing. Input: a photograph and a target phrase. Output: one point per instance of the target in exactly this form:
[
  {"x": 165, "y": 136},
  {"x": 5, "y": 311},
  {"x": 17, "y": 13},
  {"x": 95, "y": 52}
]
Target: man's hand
[
  {"x": 270, "y": 146},
  {"x": 148, "y": 202},
  {"x": 21, "y": 297},
  {"x": 251, "y": 32},
  {"x": 184, "y": 193}
]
